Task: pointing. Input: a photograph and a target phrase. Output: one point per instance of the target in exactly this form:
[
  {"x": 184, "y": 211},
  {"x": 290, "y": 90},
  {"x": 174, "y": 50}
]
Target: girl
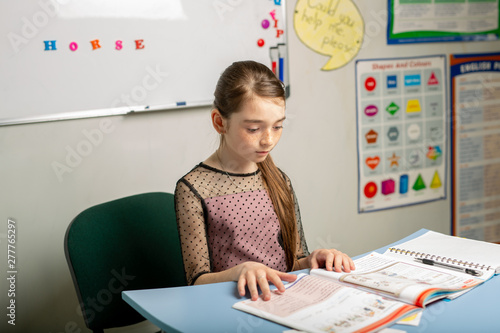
[{"x": 237, "y": 214}]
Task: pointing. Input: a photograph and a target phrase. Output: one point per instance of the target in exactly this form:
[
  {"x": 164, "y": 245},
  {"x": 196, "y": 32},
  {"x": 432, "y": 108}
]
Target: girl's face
[{"x": 254, "y": 131}]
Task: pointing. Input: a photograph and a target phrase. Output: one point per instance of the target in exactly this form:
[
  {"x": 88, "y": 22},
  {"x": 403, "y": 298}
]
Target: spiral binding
[{"x": 423, "y": 255}]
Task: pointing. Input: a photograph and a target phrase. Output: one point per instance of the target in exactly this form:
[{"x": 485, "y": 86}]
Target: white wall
[{"x": 149, "y": 152}]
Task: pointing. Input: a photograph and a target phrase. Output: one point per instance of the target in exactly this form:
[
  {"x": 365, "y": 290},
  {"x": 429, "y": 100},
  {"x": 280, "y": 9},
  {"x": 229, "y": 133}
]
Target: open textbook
[
  {"x": 384, "y": 287},
  {"x": 315, "y": 304}
]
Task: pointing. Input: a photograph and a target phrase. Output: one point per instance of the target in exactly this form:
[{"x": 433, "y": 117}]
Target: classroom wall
[{"x": 147, "y": 152}]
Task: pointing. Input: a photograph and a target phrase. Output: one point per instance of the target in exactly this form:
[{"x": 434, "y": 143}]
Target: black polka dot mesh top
[{"x": 225, "y": 219}]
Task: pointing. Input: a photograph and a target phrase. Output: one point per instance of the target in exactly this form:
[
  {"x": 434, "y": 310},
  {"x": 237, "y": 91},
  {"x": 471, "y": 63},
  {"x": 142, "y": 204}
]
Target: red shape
[
  {"x": 432, "y": 80},
  {"x": 370, "y": 190},
  {"x": 370, "y": 84},
  {"x": 260, "y": 42},
  {"x": 372, "y": 162}
]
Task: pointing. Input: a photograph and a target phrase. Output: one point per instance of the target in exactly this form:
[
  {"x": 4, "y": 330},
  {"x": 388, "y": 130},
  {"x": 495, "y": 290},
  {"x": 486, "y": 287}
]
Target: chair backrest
[{"x": 126, "y": 244}]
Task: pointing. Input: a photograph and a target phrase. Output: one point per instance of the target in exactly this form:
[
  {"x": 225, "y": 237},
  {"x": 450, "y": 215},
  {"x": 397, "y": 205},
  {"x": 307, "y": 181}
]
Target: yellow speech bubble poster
[{"x": 330, "y": 27}]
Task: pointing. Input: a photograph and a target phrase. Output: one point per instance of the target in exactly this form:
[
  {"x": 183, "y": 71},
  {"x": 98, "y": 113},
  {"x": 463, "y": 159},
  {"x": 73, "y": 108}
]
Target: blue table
[{"x": 207, "y": 308}]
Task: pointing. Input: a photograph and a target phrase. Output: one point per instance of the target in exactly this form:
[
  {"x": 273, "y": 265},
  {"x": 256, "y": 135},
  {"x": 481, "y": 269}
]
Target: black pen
[{"x": 444, "y": 265}]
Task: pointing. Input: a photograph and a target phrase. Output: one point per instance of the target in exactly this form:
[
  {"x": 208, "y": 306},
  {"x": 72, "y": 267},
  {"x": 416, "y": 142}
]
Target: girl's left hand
[{"x": 330, "y": 260}]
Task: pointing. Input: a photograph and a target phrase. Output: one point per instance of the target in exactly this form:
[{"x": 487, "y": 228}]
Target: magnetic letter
[
  {"x": 50, "y": 45},
  {"x": 95, "y": 44},
  {"x": 275, "y": 23},
  {"x": 118, "y": 45},
  {"x": 73, "y": 46},
  {"x": 273, "y": 14},
  {"x": 279, "y": 32},
  {"x": 138, "y": 44}
]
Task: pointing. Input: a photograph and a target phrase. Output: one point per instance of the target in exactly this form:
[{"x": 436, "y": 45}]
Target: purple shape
[
  {"x": 388, "y": 186},
  {"x": 265, "y": 24},
  {"x": 371, "y": 110}
]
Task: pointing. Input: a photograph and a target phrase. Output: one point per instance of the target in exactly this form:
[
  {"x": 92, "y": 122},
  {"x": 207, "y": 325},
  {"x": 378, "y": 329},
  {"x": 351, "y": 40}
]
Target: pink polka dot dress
[{"x": 225, "y": 219}]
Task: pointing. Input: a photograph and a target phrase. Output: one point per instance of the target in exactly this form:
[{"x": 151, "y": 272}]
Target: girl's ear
[{"x": 218, "y": 122}]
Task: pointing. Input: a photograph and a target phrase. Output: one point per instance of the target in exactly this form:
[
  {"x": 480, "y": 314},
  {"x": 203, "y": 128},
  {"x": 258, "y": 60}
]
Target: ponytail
[{"x": 284, "y": 206}]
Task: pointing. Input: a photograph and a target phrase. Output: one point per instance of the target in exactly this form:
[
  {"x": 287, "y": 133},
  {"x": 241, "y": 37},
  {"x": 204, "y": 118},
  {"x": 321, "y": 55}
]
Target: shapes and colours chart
[{"x": 401, "y": 121}]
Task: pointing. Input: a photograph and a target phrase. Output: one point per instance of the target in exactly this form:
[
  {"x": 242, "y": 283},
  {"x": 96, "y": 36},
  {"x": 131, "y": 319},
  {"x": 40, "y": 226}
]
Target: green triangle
[
  {"x": 419, "y": 183},
  {"x": 392, "y": 108}
]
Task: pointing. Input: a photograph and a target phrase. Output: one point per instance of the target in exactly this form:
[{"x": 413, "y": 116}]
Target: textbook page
[
  {"x": 410, "y": 282},
  {"x": 459, "y": 250},
  {"x": 314, "y": 304}
]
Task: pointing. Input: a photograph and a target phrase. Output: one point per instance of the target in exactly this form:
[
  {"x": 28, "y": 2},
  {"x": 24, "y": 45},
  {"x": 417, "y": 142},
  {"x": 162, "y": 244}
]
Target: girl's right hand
[{"x": 252, "y": 274}]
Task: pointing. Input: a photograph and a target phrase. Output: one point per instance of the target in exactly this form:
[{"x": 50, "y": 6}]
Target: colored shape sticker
[
  {"x": 393, "y": 134},
  {"x": 403, "y": 184},
  {"x": 265, "y": 24},
  {"x": 413, "y": 105},
  {"x": 370, "y": 190},
  {"x": 434, "y": 152},
  {"x": 371, "y": 110},
  {"x": 412, "y": 80},
  {"x": 331, "y": 28},
  {"x": 394, "y": 160},
  {"x": 392, "y": 108},
  {"x": 433, "y": 80},
  {"x": 414, "y": 157},
  {"x": 413, "y": 131},
  {"x": 388, "y": 186},
  {"x": 371, "y": 137},
  {"x": 392, "y": 81},
  {"x": 372, "y": 162},
  {"x": 370, "y": 83},
  {"x": 436, "y": 181},
  {"x": 419, "y": 183},
  {"x": 260, "y": 42}
]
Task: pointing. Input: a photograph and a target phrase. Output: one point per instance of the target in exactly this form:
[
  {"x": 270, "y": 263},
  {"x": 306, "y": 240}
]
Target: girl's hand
[
  {"x": 330, "y": 259},
  {"x": 253, "y": 274}
]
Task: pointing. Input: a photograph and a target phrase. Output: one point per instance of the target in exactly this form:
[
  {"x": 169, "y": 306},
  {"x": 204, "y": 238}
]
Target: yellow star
[{"x": 394, "y": 160}]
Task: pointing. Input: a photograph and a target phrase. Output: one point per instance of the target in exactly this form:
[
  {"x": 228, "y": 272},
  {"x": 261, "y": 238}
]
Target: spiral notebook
[{"x": 462, "y": 252}]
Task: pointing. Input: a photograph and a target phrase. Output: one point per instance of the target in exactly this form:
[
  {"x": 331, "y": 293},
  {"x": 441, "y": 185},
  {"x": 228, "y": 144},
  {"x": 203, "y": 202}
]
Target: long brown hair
[{"x": 237, "y": 84}]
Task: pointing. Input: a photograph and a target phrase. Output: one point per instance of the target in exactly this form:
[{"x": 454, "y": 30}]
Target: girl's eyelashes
[{"x": 253, "y": 130}]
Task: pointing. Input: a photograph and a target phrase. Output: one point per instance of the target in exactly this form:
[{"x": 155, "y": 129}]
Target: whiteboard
[{"x": 72, "y": 59}]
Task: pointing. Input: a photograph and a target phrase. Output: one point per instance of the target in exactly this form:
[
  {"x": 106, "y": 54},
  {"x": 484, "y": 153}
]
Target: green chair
[{"x": 126, "y": 244}]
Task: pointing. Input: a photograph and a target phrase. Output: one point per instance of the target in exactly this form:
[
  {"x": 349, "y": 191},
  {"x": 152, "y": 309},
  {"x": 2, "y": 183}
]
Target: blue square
[{"x": 392, "y": 81}]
